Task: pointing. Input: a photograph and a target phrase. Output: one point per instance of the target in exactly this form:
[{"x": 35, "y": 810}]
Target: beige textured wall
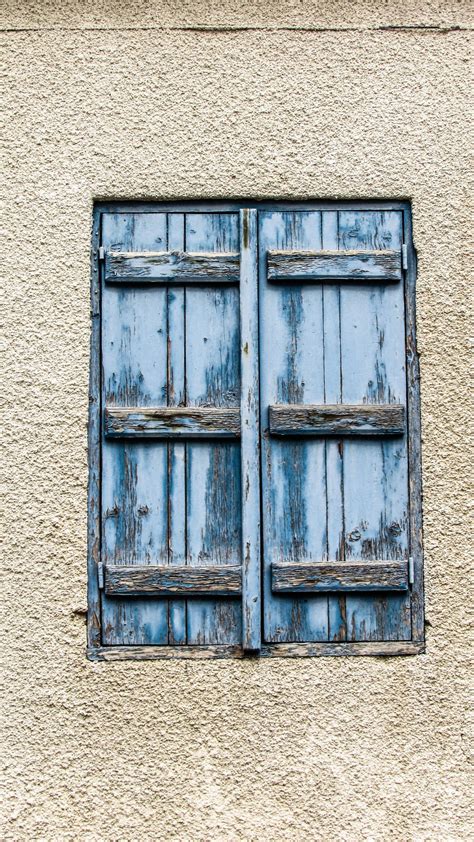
[{"x": 323, "y": 749}]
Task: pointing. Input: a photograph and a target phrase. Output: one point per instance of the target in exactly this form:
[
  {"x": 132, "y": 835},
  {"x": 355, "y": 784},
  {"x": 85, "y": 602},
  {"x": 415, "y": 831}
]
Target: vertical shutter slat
[
  {"x": 176, "y": 303},
  {"x": 334, "y": 448},
  {"x": 249, "y": 409},
  {"x": 293, "y": 469},
  {"x": 375, "y": 472},
  {"x": 213, "y": 494},
  {"x": 134, "y": 473}
]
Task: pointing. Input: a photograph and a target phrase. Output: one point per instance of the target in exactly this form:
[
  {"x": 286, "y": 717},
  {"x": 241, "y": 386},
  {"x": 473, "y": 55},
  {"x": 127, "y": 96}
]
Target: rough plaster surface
[
  {"x": 307, "y": 14},
  {"x": 323, "y": 749}
]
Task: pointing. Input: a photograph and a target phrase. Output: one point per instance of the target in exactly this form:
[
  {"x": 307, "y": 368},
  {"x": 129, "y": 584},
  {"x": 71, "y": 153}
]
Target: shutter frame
[{"x": 354, "y": 648}]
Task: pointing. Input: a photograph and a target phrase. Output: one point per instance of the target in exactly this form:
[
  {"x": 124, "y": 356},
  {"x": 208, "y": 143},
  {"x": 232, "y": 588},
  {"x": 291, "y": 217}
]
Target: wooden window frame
[{"x": 95, "y": 650}]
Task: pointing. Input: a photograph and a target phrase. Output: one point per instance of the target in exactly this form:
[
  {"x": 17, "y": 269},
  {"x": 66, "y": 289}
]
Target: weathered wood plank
[
  {"x": 170, "y": 580},
  {"x": 158, "y": 653},
  {"x": 375, "y": 471},
  {"x": 337, "y": 420},
  {"x": 319, "y": 649},
  {"x": 171, "y": 267},
  {"x": 293, "y": 471},
  {"x": 340, "y": 576},
  {"x": 213, "y": 468},
  {"x": 250, "y": 444},
  {"x": 134, "y": 472},
  {"x": 333, "y": 447},
  {"x": 213, "y": 206},
  {"x": 333, "y": 265},
  {"x": 414, "y": 439},
  {"x": 172, "y": 422},
  {"x": 176, "y": 394}
]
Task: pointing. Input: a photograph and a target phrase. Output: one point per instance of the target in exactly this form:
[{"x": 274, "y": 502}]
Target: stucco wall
[{"x": 343, "y": 749}]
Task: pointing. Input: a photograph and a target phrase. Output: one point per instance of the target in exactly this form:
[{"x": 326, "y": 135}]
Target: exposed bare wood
[
  {"x": 250, "y": 453},
  {"x": 375, "y": 649},
  {"x": 332, "y": 265},
  {"x": 337, "y": 419},
  {"x": 309, "y": 577},
  {"x": 167, "y": 267},
  {"x": 212, "y": 490},
  {"x": 168, "y": 580},
  {"x": 278, "y": 650},
  {"x": 414, "y": 440},
  {"x": 195, "y": 422}
]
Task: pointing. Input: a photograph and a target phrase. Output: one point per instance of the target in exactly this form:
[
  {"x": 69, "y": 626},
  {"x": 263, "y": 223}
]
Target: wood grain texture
[
  {"x": 171, "y": 267},
  {"x": 414, "y": 440},
  {"x": 250, "y": 439},
  {"x": 340, "y": 576},
  {"x": 213, "y": 468},
  {"x": 366, "y": 321},
  {"x": 381, "y": 649},
  {"x": 293, "y": 470},
  {"x": 177, "y": 422},
  {"x": 373, "y": 361},
  {"x": 337, "y": 419},
  {"x": 170, "y": 580},
  {"x": 176, "y": 395},
  {"x": 333, "y": 447},
  {"x": 234, "y": 206},
  {"x": 334, "y": 265},
  {"x": 134, "y": 472}
]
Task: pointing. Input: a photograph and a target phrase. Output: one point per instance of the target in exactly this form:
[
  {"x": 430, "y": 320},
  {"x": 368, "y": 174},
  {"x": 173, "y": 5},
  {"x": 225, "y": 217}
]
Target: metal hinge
[
  {"x": 101, "y": 253},
  {"x": 411, "y": 571},
  {"x": 100, "y": 575},
  {"x": 405, "y": 256}
]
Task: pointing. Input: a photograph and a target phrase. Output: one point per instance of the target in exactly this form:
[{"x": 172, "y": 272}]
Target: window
[{"x": 254, "y": 431}]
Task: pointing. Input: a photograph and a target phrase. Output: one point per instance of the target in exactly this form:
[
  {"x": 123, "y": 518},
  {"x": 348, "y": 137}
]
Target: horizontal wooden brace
[
  {"x": 169, "y": 580},
  {"x": 309, "y": 577},
  {"x": 323, "y": 266},
  {"x": 376, "y": 649},
  {"x": 172, "y": 267},
  {"x": 193, "y": 422},
  {"x": 337, "y": 419}
]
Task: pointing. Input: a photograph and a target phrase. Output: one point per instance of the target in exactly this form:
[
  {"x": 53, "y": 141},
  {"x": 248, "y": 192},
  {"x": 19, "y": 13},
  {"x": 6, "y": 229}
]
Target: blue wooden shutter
[
  {"x": 196, "y": 308},
  {"x": 179, "y": 540},
  {"x": 334, "y": 455}
]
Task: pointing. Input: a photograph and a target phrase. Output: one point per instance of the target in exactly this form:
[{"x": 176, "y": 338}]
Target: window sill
[{"x": 276, "y": 650}]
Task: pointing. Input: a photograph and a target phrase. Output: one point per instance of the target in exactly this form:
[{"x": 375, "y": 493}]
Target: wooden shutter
[
  {"x": 334, "y": 450},
  {"x": 247, "y": 354},
  {"x": 180, "y": 540}
]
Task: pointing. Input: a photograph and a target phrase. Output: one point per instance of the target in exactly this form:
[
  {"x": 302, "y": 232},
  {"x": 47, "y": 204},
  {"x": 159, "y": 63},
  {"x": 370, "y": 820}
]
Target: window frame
[{"x": 95, "y": 650}]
